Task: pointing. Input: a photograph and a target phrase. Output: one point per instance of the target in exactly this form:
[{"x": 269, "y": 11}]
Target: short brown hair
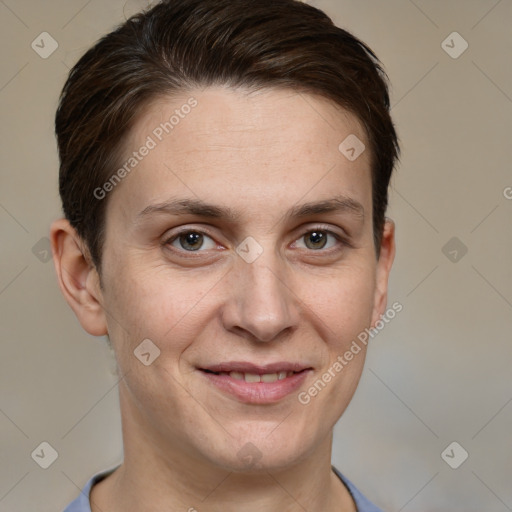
[{"x": 179, "y": 45}]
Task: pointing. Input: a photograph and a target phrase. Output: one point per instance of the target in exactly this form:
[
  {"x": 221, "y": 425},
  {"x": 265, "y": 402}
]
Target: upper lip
[{"x": 246, "y": 367}]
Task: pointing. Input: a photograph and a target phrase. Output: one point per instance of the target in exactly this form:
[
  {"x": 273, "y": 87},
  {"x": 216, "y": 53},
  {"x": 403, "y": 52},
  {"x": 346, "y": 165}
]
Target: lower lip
[{"x": 257, "y": 392}]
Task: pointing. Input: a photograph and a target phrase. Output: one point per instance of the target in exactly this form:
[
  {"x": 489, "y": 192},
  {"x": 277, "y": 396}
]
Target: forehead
[
  {"x": 245, "y": 113},
  {"x": 233, "y": 144}
]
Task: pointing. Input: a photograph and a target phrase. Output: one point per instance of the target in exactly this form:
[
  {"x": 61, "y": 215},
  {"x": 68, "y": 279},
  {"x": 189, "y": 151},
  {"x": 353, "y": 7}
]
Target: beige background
[{"x": 439, "y": 372}]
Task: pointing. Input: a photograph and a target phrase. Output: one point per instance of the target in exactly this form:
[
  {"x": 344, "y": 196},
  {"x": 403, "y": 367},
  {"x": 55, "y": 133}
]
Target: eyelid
[
  {"x": 328, "y": 228},
  {"x": 342, "y": 238}
]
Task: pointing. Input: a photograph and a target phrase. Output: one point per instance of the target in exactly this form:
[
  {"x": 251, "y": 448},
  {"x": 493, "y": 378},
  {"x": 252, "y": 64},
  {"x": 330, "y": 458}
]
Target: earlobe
[
  {"x": 77, "y": 277},
  {"x": 384, "y": 264}
]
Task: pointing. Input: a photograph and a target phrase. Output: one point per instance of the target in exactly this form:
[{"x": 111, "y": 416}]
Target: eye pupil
[
  {"x": 190, "y": 241},
  {"x": 316, "y": 237},
  {"x": 193, "y": 240}
]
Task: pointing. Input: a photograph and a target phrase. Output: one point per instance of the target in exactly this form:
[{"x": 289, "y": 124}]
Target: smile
[
  {"x": 254, "y": 377},
  {"x": 257, "y": 387}
]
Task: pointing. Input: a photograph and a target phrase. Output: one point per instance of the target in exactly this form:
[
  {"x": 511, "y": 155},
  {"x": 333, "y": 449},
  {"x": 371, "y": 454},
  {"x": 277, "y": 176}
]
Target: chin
[{"x": 261, "y": 452}]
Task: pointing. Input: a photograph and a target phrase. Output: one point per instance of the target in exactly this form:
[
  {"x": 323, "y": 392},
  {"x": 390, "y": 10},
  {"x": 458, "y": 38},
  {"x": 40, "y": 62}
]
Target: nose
[{"x": 260, "y": 304}]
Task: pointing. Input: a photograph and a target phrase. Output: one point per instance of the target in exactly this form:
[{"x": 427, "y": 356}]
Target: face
[{"x": 241, "y": 245}]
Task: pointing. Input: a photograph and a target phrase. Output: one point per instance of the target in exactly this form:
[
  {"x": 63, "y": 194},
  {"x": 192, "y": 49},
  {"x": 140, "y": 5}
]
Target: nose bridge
[
  {"x": 260, "y": 300},
  {"x": 266, "y": 283}
]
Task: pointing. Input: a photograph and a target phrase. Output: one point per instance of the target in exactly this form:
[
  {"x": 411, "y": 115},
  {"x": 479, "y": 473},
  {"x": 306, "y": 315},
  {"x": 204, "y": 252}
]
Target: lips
[
  {"x": 257, "y": 384},
  {"x": 255, "y": 377},
  {"x": 250, "y": 372},
  {"x": 245, "y": 367}
]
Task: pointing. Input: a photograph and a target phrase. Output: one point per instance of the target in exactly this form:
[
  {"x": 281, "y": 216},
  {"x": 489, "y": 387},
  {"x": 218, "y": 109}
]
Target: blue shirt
[{"x": 81, "y": 504}]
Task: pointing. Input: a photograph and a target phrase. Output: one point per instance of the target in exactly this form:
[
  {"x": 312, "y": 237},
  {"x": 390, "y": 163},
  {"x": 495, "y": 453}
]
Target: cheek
[
  {"x": 344, "y": 303},
  {"x": 145, "y": 305},
  {"x": 151, "y": 301},
  {"x": 343, "y": 310}
]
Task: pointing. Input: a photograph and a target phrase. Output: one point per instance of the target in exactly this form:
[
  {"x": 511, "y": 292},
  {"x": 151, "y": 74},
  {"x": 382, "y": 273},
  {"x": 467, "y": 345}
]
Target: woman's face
[{"x": 262, "y": 262}]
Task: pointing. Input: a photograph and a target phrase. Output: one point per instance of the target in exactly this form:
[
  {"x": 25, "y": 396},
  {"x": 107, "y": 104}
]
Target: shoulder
[
  {"x": 363, "y": 504},
  {"x": 82, "y": 503}
]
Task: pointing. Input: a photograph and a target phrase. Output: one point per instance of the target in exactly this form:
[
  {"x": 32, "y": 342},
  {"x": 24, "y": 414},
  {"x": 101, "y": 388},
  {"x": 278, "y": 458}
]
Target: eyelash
[{"x": 342, "y": 241}]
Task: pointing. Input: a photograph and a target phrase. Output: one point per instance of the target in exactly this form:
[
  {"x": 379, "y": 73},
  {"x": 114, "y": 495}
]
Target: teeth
[
  {"x": 269, "y": 377},
  {"x": 253, "y": 377}
]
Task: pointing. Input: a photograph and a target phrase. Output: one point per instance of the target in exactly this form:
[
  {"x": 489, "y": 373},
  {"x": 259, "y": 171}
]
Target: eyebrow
[{"x": 338, "y": 204}]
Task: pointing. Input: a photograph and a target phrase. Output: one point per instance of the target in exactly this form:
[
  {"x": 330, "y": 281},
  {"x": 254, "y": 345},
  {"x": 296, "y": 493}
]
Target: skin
[{"x": 260, "y": 154}]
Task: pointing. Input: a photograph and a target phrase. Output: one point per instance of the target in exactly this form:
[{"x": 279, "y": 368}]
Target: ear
[
  {"x": 78, "y": 279},
  {"x": 384, "y": 263}
]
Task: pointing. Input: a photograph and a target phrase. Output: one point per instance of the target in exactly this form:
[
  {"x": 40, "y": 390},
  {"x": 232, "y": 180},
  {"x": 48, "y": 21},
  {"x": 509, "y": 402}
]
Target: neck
[{"x": 160, "y": 475}]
